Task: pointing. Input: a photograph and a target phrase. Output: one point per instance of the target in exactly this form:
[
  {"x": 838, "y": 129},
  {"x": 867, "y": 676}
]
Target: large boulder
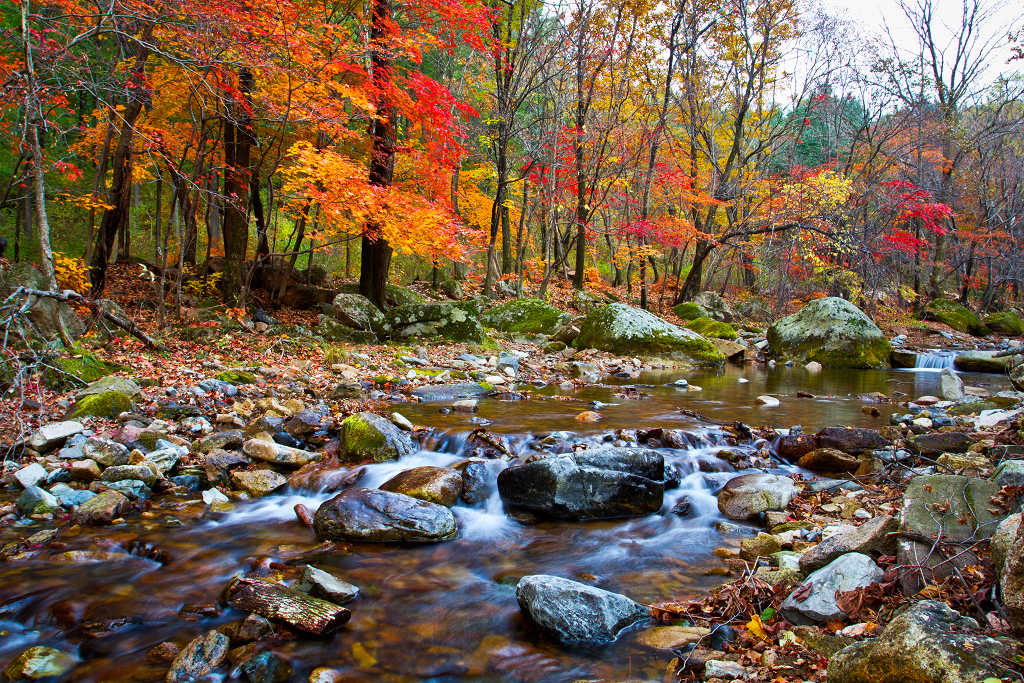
[
  {"x": 982, "y": 361},
  {"x": 833, "y": 332},
  {"x": 748, "y": 495},
  {"x": 714, "y": 306},
  {"x": 394, "y": 295},
  {"x": 44, "y": 313},
  {"x": 625, "y": 330},
  {"x": 710, "y": 328},
  {"x": 455, "y": 320},
  {"x": 525, "y": 316},
  {"x": 441, "y": 485},
  {"x": 814, "y": 601},
  {"x": 368, "y": 436},
  {"x": 106, "y": 404},
  {"x": 927, "y": 642},
  {"x": 955, "y": 315},
  {"x": 358, "y": 312},
  {"x": 1006, "y": 323},
  {"x": 575, "y": 613},
  {"x": 376, "y": 516},
  {"x": 600, "y": 483},
  {"x": 1003, "y": 540},
  {"x": 853, "y": 440}
]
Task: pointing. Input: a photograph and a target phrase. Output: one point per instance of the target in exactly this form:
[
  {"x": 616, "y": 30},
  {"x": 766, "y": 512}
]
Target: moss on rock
[
  {"x": 75, "y": 371},
  {"x": 525, "y": 316},
  {"x": 833, "y": 332},
  {"x": 622, "y": 329},
  {"x": 455, "y": 320},
  {"x": 236, "y": 377},
  {"x": 1006, "y": 323},
  {"x": 957, "y": 316},
  {"x": 367, "y": 436},
  {"x": 706, "y": 327},
  {"x": 688, "y": 310},
  {"x": 106, "y": 404}
]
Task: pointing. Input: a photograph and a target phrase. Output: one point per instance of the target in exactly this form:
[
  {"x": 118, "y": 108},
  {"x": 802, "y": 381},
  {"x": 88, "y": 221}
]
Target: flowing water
[{"x": 442, "y": 612}]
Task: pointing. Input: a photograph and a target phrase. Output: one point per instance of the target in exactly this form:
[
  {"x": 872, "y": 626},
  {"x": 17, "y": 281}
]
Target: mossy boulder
[
  {"x": 455, "y": 320},
  {"x": 525, "y": 316},
  {"x": 688, "y": 310},
  {"x": 105, "y": 404},
  {"x": 956, "y": 315},
  {"x": 236, "y": 377},
  {"x": 706, "y": 327},
  {"x": 1006, "y": 323},
  {"x": 714, "y": 306},
  {"x": 357, "y": 312},
  {"x": 367, "y": 436},
  {"x": 982, "y": 361},
  {"x": 67, "y": 372},
  {"x": 625, "y": 330},
  {"x": 393, "y": 294},
  {"x": 833, "y": 332},
  {"x": 334, "y": 331}
]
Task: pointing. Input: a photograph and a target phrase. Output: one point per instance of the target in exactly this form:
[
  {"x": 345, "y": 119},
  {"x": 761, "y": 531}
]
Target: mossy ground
[{"x": 74, "y": 371}]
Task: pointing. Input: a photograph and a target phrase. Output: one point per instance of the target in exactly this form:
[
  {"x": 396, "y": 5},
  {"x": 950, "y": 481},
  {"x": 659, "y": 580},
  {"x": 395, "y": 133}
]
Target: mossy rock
[
  {"x": 625, "y": 330},
  {"x": 1006, "y": 323},
  {"x": 368, "y": 436},
  {"x": 333, "y": 331},
  {"x": 991, "y": 403},
  {"x": 455, "y": 320},
  {"x": 237, "y": 377},
  {"x": 393, "y": 294},
  {"x": 44, "y": 313},
  {"x": 954, "y": 314},
  {"x": 688, "y": 310},
  {"x": 106, "y": 404},
  {"x": 67, "y": 372},
  {"x": 833, "y": 332},
  {"x": 706, "y": 327},
  {"x": 525, "y": 316}
]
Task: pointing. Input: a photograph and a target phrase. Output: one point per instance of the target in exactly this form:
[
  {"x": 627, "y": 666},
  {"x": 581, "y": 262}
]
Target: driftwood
[
  {"x": 295, "y": 608},
  {"x": 125, "y": 324}
]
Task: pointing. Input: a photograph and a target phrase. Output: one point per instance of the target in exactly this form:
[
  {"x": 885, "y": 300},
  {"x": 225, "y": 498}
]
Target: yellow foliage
[{"x": 72, "y": 273}]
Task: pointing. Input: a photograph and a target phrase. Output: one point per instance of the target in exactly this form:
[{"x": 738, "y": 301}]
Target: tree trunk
[
  {"x": 692, "y": 284},
  {"x": 238, "y": 140},
  {"x": 376, "y": 252},
  {"x": 281, "y": 603}
]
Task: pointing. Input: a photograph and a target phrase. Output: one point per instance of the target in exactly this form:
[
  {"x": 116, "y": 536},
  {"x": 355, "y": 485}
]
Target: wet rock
[
  {"x": 625, "y": 330},
  {"x": 791, "y": 447},
  {"x": 53, "y": 435},
  {"x": 199, "y": 658},
  {"x": 956, "y": 315},
  {"x": 39, "y": 662},
  {"x": 833, "y": 332},
  {"x": 281, "y": 603},
  {"x": 84, "y": 470},
  {"x": 748, "y": 495},
  {"x": 439, "y": 485},
  {"x": 30, "y": 475},
  {"x": 599, "y": 483},
  {"x": 926, "y": 642},
  {"x": 768, "y": 401},
  {"x": 123, "y": 472},
  {"x": 829, "y": 461},
  {"x": 940, "y": 442},
  {"x": 269, "y": 451},
  {"x": 582, "y": 370},
  {"x": 762, "y": 545},
  {"x": 668, "y": 638},
  {"x": 105, "y": 451},
  {"x": 402, "y": 422},
  {"x": 258, "y": 483},
  {"x": 227, "y": 440},
  {"x": 214, "y": 497},
  {"x": 36, "y": 501},
  {"x": 981, "y": 361},
  {"x": 265, "y": 667},
  {"x": 477, "y": 482},
  {"x": 951, "y": 387},
  {"x": 133, "y": 489},
  {"x": 815, "y": 600},
  {"x": 851, "y": 440},
  {"x": 367, "y": 436},
  {"x": 451, "y": 392},
  {"x": 874, "y": 537},
  {"x": 102, "y": 509},
  {"x": 322, "y": 584},
  {"x": 303, "y": 423},
  {"x": 69, "y": 497},
  {"x": 377, "y": 516},
  {"x": 575, "y": 613}
]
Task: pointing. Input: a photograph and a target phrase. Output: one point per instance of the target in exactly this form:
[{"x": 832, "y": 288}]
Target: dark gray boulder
[
  {"x": 376, "y": 516},
  {"x": 575, "y": 613}
]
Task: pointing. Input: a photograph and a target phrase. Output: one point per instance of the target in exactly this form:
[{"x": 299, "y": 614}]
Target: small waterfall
[{"x": 935, "y": 360}]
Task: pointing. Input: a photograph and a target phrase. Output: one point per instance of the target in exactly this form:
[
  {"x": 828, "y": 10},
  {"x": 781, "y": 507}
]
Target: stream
[{"x": 441, "y": 612}]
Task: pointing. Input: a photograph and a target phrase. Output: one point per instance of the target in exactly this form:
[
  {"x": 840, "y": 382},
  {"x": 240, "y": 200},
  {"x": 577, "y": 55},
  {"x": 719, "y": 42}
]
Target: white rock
[
  {"x": 30, "y": 475},
  {"x": 722, "y": 668},
  {"x": 951, "y": 387},
  {"x": 211, "y": 496},
  {"x": 813, "y": 367},
  {"x": 742, "y": 380},
  {"x": 768, "y": 401},
  {"x": 54, "y": 434},
  {"x": 401, "y": 421},
  {"x": 814, "y": 601}
]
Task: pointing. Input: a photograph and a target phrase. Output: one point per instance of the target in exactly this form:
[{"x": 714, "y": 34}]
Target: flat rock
[
  {"x": 100, "y": 510},
  {"x": 829, "y": 461},
  {"x": 52, "y": 435},
  {"x": 30, "y": 475},
  {"x": 439, "y": 485},
  {"x": 872, "y": 537},
  {"x": 270, "y": 451},
  {"x": 323, "y": 584},
  {"x": 748, "y": 495},
  {"x": 814, "y": 601},
  {"x": 258, "y": 483},
  {"x": 199, "y": 658}
]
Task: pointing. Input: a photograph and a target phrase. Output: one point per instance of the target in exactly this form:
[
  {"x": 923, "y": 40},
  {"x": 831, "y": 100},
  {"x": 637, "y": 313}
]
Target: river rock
[
  {"x": 853, "y": 440},
  {"x": 102, "y": 509},
  {"x": 926, "y": 642},
  {"x": 625, "y": 330},
  {"x": 122, "y": 385},
  {"x": 70, "y": 497},
  {"x": 451, "y": 392},
  {"x": 84, "y": 470},
  {"x": 955, "y": 315},
  {"x": 455, "y": 320},
  {"x": 30, "y": 475},
  {"x": 105, "y": 452},
  {"x": 258, "y": 483},
  {"x": 954, "y": 506},
  {"x": 53, "y": 435},
  {"x": 791, "y": 447},
  {"x": 668, "y": 638},
  {"x": 368, "y": 436},
  {"x": 873, "y": 537},
  {"x": 833, "y": 332},
  {"x": 748, "y": 495},
  {"x": 1002, "y": 540},
  {"x": 228, "y": 440},
  {"x": 439, "y": 485},
  {"x": 36, "y": 501},
  {"x": 829, "y": 461},
  {"x": 525, "y": 316},
  {"x": 373, "y": 515},
  {"x": 270, "y": 451},
  {"x": 575, "y": 613},
  {"x": 322, "y": 584},
  {"x": 39, "y": 662},
  {"x": 199, "y": 658},
  {"x": 981, "y": 361},
  {"x": 951, "y": 387},
  {"x": 817, "y": 603},
  {"x": 477, "y": 482},
  {"x": 936, "y": 443},
  {"x": 124, "y": 472},
  {"x": 266, "y": 667},
  {"x": 599, "y": 483},
  {"x": 357, "y": 312}
]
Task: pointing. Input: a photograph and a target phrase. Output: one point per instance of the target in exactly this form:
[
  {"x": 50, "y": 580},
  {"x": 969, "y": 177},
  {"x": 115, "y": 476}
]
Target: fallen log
[{"x": 295, "y": 608}]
